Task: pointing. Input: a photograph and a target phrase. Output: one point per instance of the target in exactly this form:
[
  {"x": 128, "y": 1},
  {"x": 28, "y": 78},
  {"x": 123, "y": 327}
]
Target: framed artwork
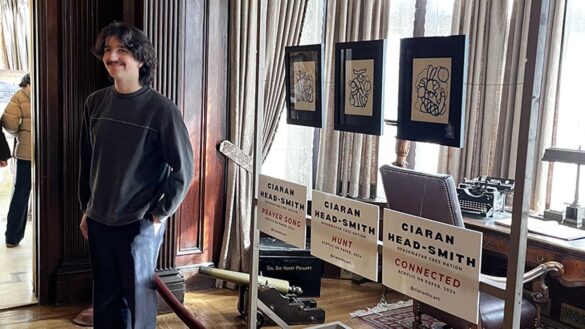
[
  {"x": 303, "y": 77},
  {"x": 431, "y": 92},
  {"x": 359, "y": 79}
]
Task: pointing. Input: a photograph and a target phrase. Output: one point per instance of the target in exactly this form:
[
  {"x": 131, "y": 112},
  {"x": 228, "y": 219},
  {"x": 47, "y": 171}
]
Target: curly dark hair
[
  {"x": 135, "y": 41},
  {"x": 25, "y": 81}
]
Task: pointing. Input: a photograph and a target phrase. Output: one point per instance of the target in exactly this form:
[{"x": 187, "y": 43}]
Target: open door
[{"x": 18, "y": 248}]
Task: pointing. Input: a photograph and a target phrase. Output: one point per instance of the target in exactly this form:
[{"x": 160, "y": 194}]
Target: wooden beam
[{"x": 524, "y": 169}]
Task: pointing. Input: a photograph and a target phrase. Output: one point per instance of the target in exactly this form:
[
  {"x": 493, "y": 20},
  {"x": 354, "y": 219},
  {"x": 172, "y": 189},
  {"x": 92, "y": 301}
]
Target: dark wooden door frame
[{"x": 46, "y": 91}]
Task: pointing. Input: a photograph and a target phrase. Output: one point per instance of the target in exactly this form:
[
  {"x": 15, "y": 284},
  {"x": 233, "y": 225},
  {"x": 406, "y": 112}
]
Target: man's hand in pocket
[
  {"x": 156, "y": 223},
  {"x": 83, "y": 226}
]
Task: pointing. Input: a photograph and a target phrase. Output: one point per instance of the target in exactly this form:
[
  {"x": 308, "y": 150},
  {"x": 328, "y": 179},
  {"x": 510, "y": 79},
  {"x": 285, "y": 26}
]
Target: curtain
[
  {"x": 496, "y": 56},
  {"x": 348, "y": 162},
  {"x": 546, "y": 91},
  {"x": 14, "y": 27},
  {"x": 484, "y": 23},
  {"x": 283, "y": 28}
]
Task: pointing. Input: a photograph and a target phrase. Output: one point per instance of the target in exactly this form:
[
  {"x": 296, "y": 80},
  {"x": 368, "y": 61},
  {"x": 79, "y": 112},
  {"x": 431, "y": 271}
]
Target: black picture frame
[
  {"x": 432, "y": 89},
  {"x": 359, "y": 98},
  {"x": 304, "y": 80}
]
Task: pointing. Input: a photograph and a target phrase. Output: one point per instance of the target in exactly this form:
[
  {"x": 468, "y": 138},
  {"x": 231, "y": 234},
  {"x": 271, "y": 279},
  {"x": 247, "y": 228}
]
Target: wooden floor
[{"x": 215, "y": 307}]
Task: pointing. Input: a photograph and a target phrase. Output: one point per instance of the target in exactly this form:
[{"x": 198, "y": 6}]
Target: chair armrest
[
  {"x": 494, "y": 281},
  {"x": 539, "y": 292},
  {"x": 555, "y": 268}
]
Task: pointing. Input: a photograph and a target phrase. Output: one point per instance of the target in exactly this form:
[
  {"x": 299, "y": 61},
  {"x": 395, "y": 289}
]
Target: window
[
  {"x": 401, "y": 26},
  {"x": 571, "y": 114},
  {"x": 291, "y": 154},
  {"x": 437, "y": 23}
]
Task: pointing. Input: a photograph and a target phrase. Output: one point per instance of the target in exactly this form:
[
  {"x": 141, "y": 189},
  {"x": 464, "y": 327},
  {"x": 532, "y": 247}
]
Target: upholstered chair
[{"x": 434, "y": 197}]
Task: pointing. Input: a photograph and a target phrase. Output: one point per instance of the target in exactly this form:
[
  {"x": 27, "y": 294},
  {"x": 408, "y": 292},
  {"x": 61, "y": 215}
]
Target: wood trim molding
[{"x": 47, "y": 130}]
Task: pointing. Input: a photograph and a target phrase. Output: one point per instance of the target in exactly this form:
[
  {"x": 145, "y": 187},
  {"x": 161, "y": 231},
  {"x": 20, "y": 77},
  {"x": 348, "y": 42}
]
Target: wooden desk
[{"x": 540, "y": 248}]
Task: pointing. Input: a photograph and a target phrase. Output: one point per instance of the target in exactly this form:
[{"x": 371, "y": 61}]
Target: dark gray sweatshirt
[{"x": 135, "y": 157}]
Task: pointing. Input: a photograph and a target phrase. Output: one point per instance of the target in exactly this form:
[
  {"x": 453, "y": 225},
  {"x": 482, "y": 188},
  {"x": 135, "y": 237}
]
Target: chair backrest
[{"x": 430, "y": 196}]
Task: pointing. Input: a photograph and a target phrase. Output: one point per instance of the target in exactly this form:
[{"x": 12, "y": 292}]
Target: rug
[{"x": 401, "y": 317}]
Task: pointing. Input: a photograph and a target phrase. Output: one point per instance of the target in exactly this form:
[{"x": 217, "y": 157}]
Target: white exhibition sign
[
  {"x": 435, "y": 263},
  {"x": 282, "y": 208},
  {"x": 344, "y": 232}
]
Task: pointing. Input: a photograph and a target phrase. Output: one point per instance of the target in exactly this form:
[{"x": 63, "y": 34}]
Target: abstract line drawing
[
  {"x": 360, "y": 87},
  {"x": 303, "y": 87},
  {"x": 359, "y": 80},
  {"x": 303, "y": 84},
  {"x": 432, "y": 90}
]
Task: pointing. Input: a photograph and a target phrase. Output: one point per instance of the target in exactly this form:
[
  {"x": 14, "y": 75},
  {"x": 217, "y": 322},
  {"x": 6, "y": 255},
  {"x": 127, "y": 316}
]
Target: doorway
[{"x": 17, "y": 276}]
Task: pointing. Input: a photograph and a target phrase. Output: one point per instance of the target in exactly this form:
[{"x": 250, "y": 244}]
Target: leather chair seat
[{"x": 491, "y": 310}]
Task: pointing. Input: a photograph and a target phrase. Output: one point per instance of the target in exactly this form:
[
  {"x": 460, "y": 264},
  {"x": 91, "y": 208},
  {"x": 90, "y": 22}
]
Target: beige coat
[{"x": 17, "y": 120}]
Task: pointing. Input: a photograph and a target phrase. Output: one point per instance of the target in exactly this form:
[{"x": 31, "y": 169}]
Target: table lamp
[{"x": 574, "y": 212}]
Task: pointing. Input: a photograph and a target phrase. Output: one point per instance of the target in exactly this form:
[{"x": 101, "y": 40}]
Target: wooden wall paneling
[
  {"x": 191, "y": 37},
  {"x": 190, "y": 245},
  {"x": 77, "y": 37},
  {"x": 163, "y": 24},
  {"x": 205, "y": 92},
  {"x": 217, "y": 123},
  {"x": 65, "y": 74},
  {"x": 77, "y": 32},
  {"x": 82, "y": 74},
  {"x": 133, "y": 13}
]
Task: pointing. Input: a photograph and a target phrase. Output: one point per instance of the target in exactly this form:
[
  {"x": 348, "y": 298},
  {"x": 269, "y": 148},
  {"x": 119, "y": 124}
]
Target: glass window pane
[
  {"x": 291, "y": 154},
  {"x": 401, "y": 26},
  {"x": 571, "y": 121}
]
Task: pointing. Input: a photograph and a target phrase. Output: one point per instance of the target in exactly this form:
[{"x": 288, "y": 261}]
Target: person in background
[
  {"x": 136, "y": 165},
  {"x": 17, "y": 120},
  {"x": 4, "y": 150}
]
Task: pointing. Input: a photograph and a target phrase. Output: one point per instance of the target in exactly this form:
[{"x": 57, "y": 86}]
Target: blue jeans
[
  {"x": 123, "y": 261},
  {"x": 19, "y": 203}
]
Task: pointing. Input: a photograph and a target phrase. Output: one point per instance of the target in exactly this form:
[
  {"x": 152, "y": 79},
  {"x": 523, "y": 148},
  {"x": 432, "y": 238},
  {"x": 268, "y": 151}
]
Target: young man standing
[{"x": 136, "y": 164}]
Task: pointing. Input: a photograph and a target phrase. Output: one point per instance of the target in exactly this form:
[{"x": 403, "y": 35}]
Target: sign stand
[
  {"x": 524, "y": 166},
  {"x": 253, "y": 302}
]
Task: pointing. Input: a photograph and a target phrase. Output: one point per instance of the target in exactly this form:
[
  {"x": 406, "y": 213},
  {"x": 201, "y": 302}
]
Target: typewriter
[{"x": 484, "y": 195}]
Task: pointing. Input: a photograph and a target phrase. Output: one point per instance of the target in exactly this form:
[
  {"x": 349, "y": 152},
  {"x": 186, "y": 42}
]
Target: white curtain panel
[
  {"x": 496, "y": 59},
  {"x": 283, "y": 27},
  {"x": 15, "y": 28},
  {"x": 348, "y": 162},
  {"x": 485, "y": 24},
  {"x": 548, "y": 79}
]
